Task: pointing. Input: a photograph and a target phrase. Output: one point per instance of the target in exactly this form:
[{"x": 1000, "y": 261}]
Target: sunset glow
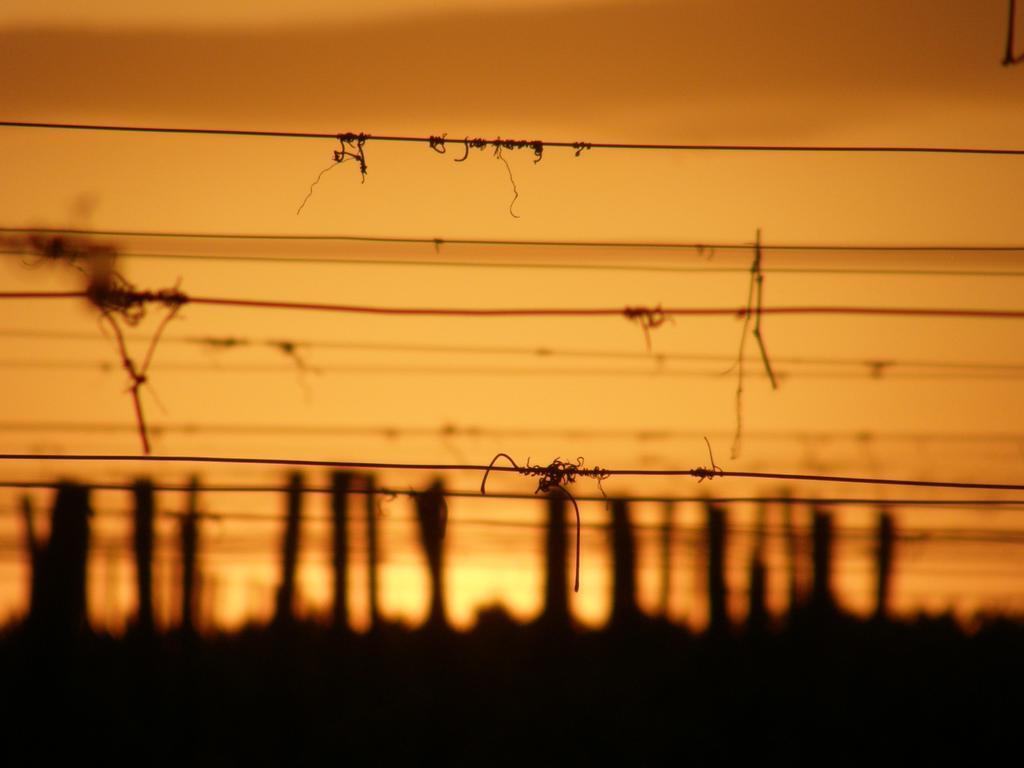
[{"x": 786, "y": 147}]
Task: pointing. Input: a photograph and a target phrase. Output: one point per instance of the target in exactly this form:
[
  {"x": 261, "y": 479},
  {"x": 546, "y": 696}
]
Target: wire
[
  {"x": 605, "y": 312},
  {"x": 908, "y": 535},
  {"x": 437, "y": 242},
  {"x": 479, "y": 432},
  {"x": 475, "y": 494},
  {"x": 701, "y": 473},
  {"x": 104, "y": 366},
  {"x": 574, "y": 145},
  {"x": 44, "y": 295},
  {"x": 225, "y": 343},
  {"x": 140, "y": 297},
  {"x": 433, "y": 263}
]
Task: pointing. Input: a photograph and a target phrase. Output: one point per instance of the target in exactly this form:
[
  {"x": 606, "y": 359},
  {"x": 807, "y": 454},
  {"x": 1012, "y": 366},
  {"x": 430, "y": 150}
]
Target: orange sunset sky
[{"x": 793, "y": 72}]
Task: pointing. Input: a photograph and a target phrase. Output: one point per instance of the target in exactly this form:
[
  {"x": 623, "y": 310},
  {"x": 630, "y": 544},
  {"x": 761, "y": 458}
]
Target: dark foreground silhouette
[
  {"x": 821, "y": 689},
  {"x": 832, "y": 691}
]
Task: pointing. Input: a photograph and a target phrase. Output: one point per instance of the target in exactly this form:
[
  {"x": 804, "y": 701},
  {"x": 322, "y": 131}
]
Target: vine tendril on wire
[
  {"x": 708, "y": 473},
  {"x": 554, "y": 477},
  {"x": 755, "y": 296},
  {"x": 648, "y": 318}
]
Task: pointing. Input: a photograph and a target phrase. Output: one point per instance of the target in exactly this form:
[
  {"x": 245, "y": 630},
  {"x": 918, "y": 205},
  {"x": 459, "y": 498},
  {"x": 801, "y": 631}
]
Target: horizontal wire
[
  {"x": 105, "y": 366},
  {"x": 402, "y": 370},
  {"x": 647, "y": 527},
  {"x": 178, "y": 298},
  {"x": 701, "y": 473},
  {"x": 437, "y": 242},
  {"x": 504, "y": 495},
  {"x": 679, "y": 531},
  {"x": 226, "y": 343},
  {"x": 433, "y": 263},
  {"x": 576, "y": 146},
  {"x": 476, "y": 432}
]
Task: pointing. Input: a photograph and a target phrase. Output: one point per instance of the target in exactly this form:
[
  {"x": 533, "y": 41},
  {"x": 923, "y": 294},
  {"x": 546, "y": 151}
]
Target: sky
[{"x": 793, "y": 72}]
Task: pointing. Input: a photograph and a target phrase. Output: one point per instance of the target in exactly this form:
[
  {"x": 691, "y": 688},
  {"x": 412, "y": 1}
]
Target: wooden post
[
  {"x": 340, "y": 482},
  {"x": 371, "y": 552},
  {"x": 792, "y": 555},
  {"x": 189, "y": 545},
  {"x": 33, "y": 548},
  {"x": 284, "y": 614},
  {"x": 59, "y": 606},
  {"x": 433, "y": 516},
  {"x": 667, "y": 515},
  {"x": 208, "y": 597},
  {"x": 111, "y": 596},
  {"x": 556, "y": 589},
  {"x": 624, "y": 607},
  {"x": 718, "y": 615},
  {"x": 757, "y": 616},
  {"x": 883, "y": 584},
  {"x": 822, "y": 602},
  {"x": 143, "y": 544}
]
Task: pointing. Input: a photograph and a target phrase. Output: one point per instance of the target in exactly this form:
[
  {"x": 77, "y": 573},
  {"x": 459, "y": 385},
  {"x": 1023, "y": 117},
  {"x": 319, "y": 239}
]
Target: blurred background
[{"x": 915, "y": 398}]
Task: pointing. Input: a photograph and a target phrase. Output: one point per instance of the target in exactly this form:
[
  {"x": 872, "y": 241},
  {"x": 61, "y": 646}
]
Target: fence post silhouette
[
  {"x": 667, "y": 515},
  {"x": 624, "y": 608},
  {"x": 757, "y": 614},
  {"x": 59, "y": 605},
  {"x": 556, "y": 589},
  {"x": 340, "y": 483},
  {"x": 189, "y": 544},
  {"x": 33, "y": 548},
  {"x": 883, "y": 583},
  {"x": 371, "y": 552},
  {"x": 111, "y": 588},
  {"x": 143, "y": 547},
  {"x": 208, "y": 597},
  {"x": 792, "y": 555},
  {"x": 822, "y": 601},
  {"x": 284, "y": 614},
  {"x": 718, "y": 616},
  {"x": 432, "y": 513}
]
